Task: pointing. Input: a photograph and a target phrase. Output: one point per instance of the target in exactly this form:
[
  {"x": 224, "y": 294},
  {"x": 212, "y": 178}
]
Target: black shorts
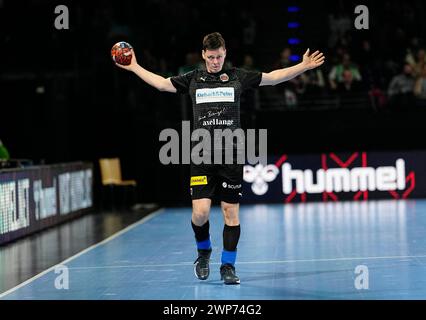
[{"x": 223, "y": 181}]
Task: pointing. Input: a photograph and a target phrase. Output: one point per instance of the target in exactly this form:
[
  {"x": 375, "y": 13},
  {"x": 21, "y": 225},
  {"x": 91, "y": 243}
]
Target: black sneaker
[
  {"x": 201, "y": 268},
  {"x": 227, "y": 274}
]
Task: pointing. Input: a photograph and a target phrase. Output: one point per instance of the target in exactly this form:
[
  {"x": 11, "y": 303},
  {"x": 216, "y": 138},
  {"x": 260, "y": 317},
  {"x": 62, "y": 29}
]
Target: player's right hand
[{"x": 132, "y": 65}]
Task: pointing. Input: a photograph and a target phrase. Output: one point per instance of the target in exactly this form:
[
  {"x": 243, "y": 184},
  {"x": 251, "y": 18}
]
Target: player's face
[{"x": 214, "y": 59}]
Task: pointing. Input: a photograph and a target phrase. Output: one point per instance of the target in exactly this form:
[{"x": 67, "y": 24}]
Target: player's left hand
[{"x": 314, "y": 60}]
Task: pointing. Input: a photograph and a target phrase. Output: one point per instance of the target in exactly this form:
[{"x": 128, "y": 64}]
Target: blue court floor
[{"x": 346, "y": 250}]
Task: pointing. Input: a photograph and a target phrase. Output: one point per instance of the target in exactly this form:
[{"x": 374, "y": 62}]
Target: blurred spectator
[
  {"x": 313, "y": 82},
  {"x": 418, "y": 62},
  {"x": 289, "y": 88},
  {"x": 377, "y": 97},
  {"x": 347, "y": 84},
  {"x": 348, "y": 90},
  {"x": 248, "y": 63},
  {"x": 401, "y": 88},
  {"x": 298, "y": 85},
  {"x": 284, "y": 61},
  {"x": 412, "y": 49},
  {"x": 339, "y": 24},
  {"x": 336, "y": 74},
  {"x": 290, "y": 98},
  {"x": 420, "y": 88},
  {"x": 4, "y": 154}
]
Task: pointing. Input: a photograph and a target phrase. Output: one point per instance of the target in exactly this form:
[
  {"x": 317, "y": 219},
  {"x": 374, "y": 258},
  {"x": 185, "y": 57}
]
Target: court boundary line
[
  {"x": 185, "y": 264},
  {"x": 111, "y": 237}
]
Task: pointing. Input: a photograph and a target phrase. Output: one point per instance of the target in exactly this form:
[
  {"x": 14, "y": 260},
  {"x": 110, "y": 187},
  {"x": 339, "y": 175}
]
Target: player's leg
[
  {"x": 202, "y": 190},
  {"x": 231, "y": 236},
  {"x": 200, "y": 225},
  {"x": 231, "y": 193}
]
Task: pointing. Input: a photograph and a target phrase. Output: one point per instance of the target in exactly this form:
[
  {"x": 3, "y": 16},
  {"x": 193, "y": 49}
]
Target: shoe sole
[{"x": 230, "y": 283}]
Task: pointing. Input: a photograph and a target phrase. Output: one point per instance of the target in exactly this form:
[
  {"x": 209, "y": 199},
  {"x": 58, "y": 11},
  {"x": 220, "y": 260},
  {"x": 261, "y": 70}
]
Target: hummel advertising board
[{"x": 336, "y": 176}]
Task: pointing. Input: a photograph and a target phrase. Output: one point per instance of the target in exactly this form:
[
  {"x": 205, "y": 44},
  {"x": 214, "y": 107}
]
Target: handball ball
[{"x": 121, "y": 53}]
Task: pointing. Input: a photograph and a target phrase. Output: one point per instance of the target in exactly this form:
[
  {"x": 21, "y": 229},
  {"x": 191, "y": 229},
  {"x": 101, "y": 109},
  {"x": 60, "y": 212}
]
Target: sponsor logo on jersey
[
  {"x": 218, "y": 122},
  {"x": 224, "y": 77},
  {"x": 209, "y": 95},
  {"x": 198, "y": 180},
  {"x": 231, "y": 186}
]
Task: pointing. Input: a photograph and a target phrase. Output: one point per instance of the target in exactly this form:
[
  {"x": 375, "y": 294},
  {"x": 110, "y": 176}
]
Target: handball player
[{"x": 218, "y": 112}]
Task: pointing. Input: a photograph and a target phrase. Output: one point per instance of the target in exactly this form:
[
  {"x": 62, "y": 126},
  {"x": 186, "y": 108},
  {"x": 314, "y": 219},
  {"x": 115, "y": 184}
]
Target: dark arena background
[{"x": 337, "y": 212}]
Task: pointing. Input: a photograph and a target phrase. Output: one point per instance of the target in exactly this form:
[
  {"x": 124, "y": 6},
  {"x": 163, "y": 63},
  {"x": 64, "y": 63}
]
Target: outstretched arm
[
  {"x": 158, "y": 82},
  {"x": 277, "y": 76}
]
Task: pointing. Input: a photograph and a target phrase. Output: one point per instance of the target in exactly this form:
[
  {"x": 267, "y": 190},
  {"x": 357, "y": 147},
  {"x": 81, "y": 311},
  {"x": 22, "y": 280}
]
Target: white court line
[
  {"x": 182, "y": 264},
  {"x": 115, "y": 235}
]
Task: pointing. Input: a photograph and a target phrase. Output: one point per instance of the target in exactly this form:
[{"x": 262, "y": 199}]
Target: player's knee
[
  {"x": 230, "y": 212},
  {"x": 200, "y": 215},
  {"x": 230, "y": 208}
]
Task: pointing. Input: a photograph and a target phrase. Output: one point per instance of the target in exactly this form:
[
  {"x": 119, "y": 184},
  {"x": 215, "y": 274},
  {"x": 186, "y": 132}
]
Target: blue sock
[
  {"x": 229, "y": 257},
  {"x": 204, "y": 245}
]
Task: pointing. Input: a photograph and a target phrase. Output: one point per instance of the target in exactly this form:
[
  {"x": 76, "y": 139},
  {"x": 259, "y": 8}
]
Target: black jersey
[
  {"x": 216, "y": 96},
  {"x": 216, "y": 105}
]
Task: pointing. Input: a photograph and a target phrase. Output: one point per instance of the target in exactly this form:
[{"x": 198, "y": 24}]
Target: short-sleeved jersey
[{"x": 216, "y": 96}]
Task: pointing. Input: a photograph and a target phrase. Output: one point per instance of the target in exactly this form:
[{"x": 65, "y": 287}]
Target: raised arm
[
  {"x": 158, "y": 82},
  {"x": 277, "y": 76}
]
